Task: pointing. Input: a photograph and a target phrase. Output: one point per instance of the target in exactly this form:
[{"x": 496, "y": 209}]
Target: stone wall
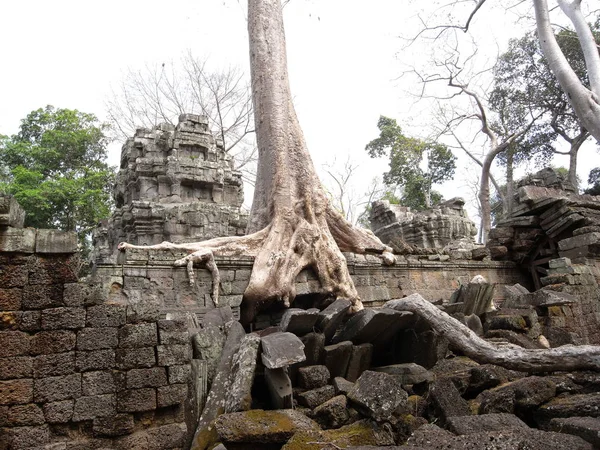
[{"x": 78, "y": 370}]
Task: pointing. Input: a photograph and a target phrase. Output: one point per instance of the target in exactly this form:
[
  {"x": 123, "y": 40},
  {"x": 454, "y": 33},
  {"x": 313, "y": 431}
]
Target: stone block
[
  {"x": 281, "y": 350},
  {"x": 173, "y": 337},
  {"x": 314, "y": 348},
  {"x": 407, "y": 373},
  {"x": 11, "y": 213},
  {"x": 311, "y": 377},
  {"x": 587, "y": 428},
  {"x": 55, "y": 241},
  {"x": 138, "y": 335},
  {"x": 173, "y": 355},
  {"x": 484, "y": 422},
  {"x": 173, "y": 394},
  {"x": 342, "y": 386},
  {"x": 143, "y": 311},
  {"x": 54, "y": 364},
  {"x": 16, "y": 367},
  {"x": 16, "y": 392},
  {"x": 90, "y": 407},
  {"x": 333, "y": 413},
  {"x": 360, "y": 360},
  {"x": 313, "y": 398},
  {"x": 97, "y": 338},
  {"x": 83, "y": 294},
  {"x": 42, "y": 296},
  {"x": 447, "y": 400},
  {"x": 243, "y": 367},
  {"x": 14, "y": 343},
  {"x": 12, "y": 276},
  {"x": 30, "y": 321},
  {"x": 280, "y": 388},
  {"x": 299, "y": 321},
  {"x": 337, "y": 357},
  {"x": 10, "y": 320},
  {"x": 141, "y": 378},
  {"x": 23, "y": 415},
  {"x": 57, "y": 341},
  {"x": 53, "y": 270},
  {"x": 95, "y": 360},
  {"x": 133, "y": 358},
  {"x": 136, "y": 400},
  {"x": 58, "y": 412},
  {"x": 107, "y": 315},
  {"x": 63, "y": 317},
  {"x": 112, "y": 426},
  {"x": 331, "y": 317},
  {"x": 97, "y": 382},
  {"x": 179, "y": 374},
  {"x": 52, "y": 389},
  {"x": 28, "y": 437},
  {"x": 17, "y": 240},
  {"x": 10, "y": 299},
  {"x": 378, "y": 395},
  {"x": 168, "y": 436}
]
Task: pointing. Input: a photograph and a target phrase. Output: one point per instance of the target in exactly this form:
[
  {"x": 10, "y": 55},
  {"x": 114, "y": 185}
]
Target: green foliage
[
  {"x": 594, "y": 181},
  {"x": 55, "y": 167},
  {"x": 406, "y": 156}
]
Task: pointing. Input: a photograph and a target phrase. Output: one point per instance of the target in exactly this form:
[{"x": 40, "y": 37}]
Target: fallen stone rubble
[{"x": 361, "y": 382}]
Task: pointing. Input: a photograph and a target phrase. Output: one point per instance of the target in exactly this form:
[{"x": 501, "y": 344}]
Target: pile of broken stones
[{"x": 383, "y": 379}]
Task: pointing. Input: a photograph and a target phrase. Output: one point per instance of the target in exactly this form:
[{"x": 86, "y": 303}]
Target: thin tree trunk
[{"x": 510, "y": 160}]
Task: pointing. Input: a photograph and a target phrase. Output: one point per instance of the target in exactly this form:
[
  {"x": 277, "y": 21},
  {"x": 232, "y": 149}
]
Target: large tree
[{"x": 56, "y": 168}]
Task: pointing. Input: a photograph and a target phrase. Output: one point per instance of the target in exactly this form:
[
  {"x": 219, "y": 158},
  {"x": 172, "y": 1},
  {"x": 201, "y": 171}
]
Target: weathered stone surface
[
  {"x": 314, "y": 347},
  {"x": 406, "y": 373},
  {"x": 447, "y": 400},
  {"x": 179, "y": 374},
  {"x": 147, "y": 310},
  {"x": 42, "y": 296},
  {"x": 132, "y": 358},
  {"x": 173, "y": 394},
  {"x": 486, "y": 376},
  {"x": 26, "y": 437},
  {"x": 337, "y": 357},
  {"x": 95, "y": 383},
  {"x": 168, "y": 436},
  {"x": 342, "y": 386},
  {"x": 311, "y": 377},
  {"x": 280, "y": 388},
  {"x": 14, "y": 343},
  {"x": 262, "y": 427},
  {"x": 138, "y": 335},
  {"x": 52, "y": 342},
  {"x": 523, "y": 394},
  {"x": 299, "y": 321},
  {"x": 16, "y": 367},
  {"x": 10, "y": 299},
  {"x": 81, "y": 293},
  {"x": 333, "y": 413},
  {"x": 24, "y": 415},
  {"x": 331, "y": 317},
  {"x": 482, "y": 423},
  {"x": 87, "y": 408},
  {"x": 207, "y": 345},
  {"x": 59, "y": 412},
  {"x": 55, "y": 241},
  {"x": 117, "y": 425},
  {"x": 11, "y": 213},
  {"x": 97, "y": 338},
  {"x": 367, "y": 325},
  {"x": 172, "y": 355},
  {"x": 152, "y": 377},
  {"x": 64, "y": 317},
  {"x": 581, "y": 405},
  {"x": 108, "y": 315},
  {"x": 315, "y": 397},
  {"x": 95, "y": 360},
  {"x": 52, "y": 389},
  {"x": 242, "y": 370},
  {"x": 587, "y": 428},
  {"x": 360, "y": 360},
  {"x": 281, "y": 349},
  {"x": 378, "y": 394},
  {"x": 54, "y": 364},
  {"x": 134, "y": 400},
  {"x": 21, "y": 240}
]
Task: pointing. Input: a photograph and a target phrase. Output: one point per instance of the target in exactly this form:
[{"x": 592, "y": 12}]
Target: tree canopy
[
  {"x": 406, "y": 157},
  {"x": 56, "y": 169}
]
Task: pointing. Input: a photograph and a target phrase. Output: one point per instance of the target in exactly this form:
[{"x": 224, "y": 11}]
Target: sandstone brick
[
  {"x": 97, "y": 338},
  {"x": 135, "y": 400},
  {"x": 172, "y": 355},
  {"x": 143, "y": 311},
  {"x": 179, "y": 374},
  {"x": 87, "y": 408},
  {"x": 95, "y": 360},
  {"x": 42, "y": 296},
  {"x": 23, "y": 415},
  {"x": 138, "y": 335},
  {"x": 10, "y": 299},
  {"x": 107, "y": 315},
  {"x": 58, "y": 412},
  {"x": 173, "y": 394},
  {"x": 140, "y": 378},
  {"x": 117, "y": 425},
  {"x": 64, "y": 317},
  {"x": 57, "y": 341},
  {"x": 25, "y": 437},
  {"x": 133, "y": 358},
  {"x": 168, "y": 436},
  {"x": 54, "y": 364},
  {"x": 52, "y": 389},
  {"x": 13, "y": 343},
  {"x": 99, "y": 382},
  {"x": 16, "y": 367},
  {"x": 15, "y": 392},
  {"x": 30, "y": 321},
  {"x": 172, "y": 325},
  {"x": 173, "y": 337},
  {"x": 77, "y": 294}
]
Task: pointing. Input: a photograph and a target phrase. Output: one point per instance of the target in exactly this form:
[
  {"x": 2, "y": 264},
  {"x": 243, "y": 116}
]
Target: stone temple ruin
[{"x": 133, "y": 357}]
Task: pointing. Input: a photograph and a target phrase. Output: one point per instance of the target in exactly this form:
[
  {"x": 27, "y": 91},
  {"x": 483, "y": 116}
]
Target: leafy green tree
[
  {"x": 407, "y": 156},
  {"x": 56, "y": 169},
  {"x": 594, "y": 181}
]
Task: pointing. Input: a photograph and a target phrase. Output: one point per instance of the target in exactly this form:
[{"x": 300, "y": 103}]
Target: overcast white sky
[{"x": 344, "y": 60}]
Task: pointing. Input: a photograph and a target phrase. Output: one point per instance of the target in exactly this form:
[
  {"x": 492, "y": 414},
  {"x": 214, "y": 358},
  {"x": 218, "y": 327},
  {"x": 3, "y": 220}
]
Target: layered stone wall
[{"x": 78, "y": 370}]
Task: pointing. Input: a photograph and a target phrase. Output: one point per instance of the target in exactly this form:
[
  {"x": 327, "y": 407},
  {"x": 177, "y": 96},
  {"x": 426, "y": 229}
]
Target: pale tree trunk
[
  {"x": 292, "y": 226},
  {"x": 584, "y": 101}
]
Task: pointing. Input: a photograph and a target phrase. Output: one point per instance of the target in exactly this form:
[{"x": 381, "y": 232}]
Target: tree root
[{"x": 563, "y": 358}]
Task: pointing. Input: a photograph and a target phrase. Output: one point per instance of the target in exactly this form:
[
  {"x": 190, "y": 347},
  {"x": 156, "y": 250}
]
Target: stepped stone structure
[
  {"x": 177, "y": 184},
  {"x": 443, "y": 225}
]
